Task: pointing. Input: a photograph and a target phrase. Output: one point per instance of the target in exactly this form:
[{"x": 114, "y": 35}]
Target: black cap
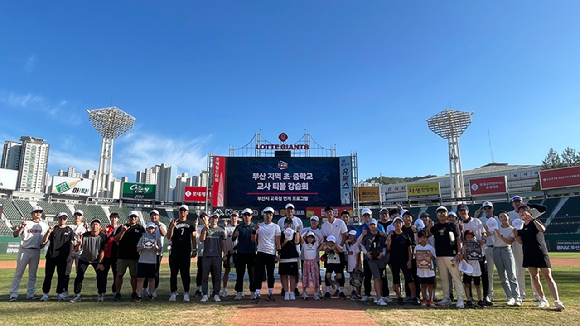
[
  {"x": 328, "y": 208},
  {"x": 96, "y": 220}
]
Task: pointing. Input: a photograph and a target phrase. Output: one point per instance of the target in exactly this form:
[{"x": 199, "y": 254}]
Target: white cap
[
  {"x": 156, "y": 212},
  {"x": 184, "y": 206},
  {"x": 491, "y": 224},
  {"x": 366, "y": 211},
  {"x": 61, "y": 214},
  {"x": 289, "y": 205},
  {"x": 372, "y": 221},
  {"x": 465, "y": 267},
  {"x": 310, "y": 233},
  {"x": 151, "y": 224},
  {"x": 36, "y": 209},
  {"x": 269, "y": 209},
  {"x": 331, "y": 238},
  {"x": 78, "y": 211},
  {"x": 247, "y": 210},
  {"x": 288, "y": 232},
  {"x": 442, "y": 208},
  {"x": 131, "y": 213},
  {"x": 352, "y": 232},
  {"x": 398, "y": 218},
  {"x": 518, "y": 224},
  {"x": 453, "y": 214},
  {"x": 419, "y": 224},
  {"x": 214, "y": 214},
  {"x": 314, "y": 217},
  {"x": 487, "y": 203}
]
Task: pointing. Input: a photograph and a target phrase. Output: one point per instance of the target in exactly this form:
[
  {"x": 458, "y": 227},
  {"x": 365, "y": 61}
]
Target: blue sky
[{"x": 364, "y": 75}]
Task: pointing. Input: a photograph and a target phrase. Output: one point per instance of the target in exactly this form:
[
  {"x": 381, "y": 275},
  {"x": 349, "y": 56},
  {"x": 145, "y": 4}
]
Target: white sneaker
[
  {"x": 518, "y": 303},
  {"x": 511, "y": 302},
  {"x": 216, "y": 298},
  {"x": 286, "y": 296},
  {"x": 316, "y": 296},
  {"x": 239, "y": 296},
  {"x": 387, "y": 299},
  {"x": 224, "y": 293},
  {"x": 365, "y": 298},
  {"x": 186, "y": 297},
  {"x": 101, "y": 297},
  {"x": 154, "y": 293},
  {"x": 173, "y": 296},
  {"x": 304, "y": 295},
  {"x": 65, "y": 294},
  {"x": 444, "y": 302},
  {"x": 76, "y": 298},
  {"x": 537, "y": 298},
  {"x": 375, "y": 300},
  {"x": 460, "y": 304},
  {"x": 292, "y": 296},
  {"x": 543, "y": 304},
  {"x": 381, "y": 302},
  {"x": 44, "y": 297},
  {"x": 144, "y": 293},
  {"x": 204, "y": 298},
  {"x": 559, "y": 305},
  {"x": 252, "y": 296}
]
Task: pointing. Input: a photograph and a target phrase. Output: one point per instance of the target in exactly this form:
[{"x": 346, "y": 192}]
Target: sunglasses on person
[{"x": 487, "y": 207}]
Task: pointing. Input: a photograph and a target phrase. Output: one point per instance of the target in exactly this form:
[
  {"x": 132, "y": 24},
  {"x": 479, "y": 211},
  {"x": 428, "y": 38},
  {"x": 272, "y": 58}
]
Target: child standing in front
[
  {"x": 289, "y": 260},
  {"x": 472, "y": 253},
  {"x": 310, "y": 270},
  {"x": 425, "y": 256},
  {"x": 352, "y": 250},
  {"x": 148, "y": 249}
]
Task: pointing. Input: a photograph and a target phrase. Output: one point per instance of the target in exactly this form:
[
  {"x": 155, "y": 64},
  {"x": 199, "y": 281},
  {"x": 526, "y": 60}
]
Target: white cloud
[
  {"x": 138, "y": 150},
  {"x": 37, "y": 102},
  {"x": 30, "y": 63}
]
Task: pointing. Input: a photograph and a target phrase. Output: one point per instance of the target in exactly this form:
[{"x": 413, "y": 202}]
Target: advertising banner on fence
[
  {"x": 138, "y": 191},
  {"x": 346, "y": 180},
  {"x": 558, "y": 178},
  {"x": 194, "y": 194},
  {"x": 423, "y": 190},
  {"x": 485, "y": 186},
  {"x": 219, "y": 181},
  {"x": 71, "y": 186},
  {"x": 369, "y": 194},
  {"x": 8, "y": 179}
]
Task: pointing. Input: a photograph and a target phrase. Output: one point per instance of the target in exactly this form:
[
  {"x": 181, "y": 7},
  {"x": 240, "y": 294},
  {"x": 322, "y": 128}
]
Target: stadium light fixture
[
  {"x": 450, "y": 125},
  {"x": 110, "y": 123}
]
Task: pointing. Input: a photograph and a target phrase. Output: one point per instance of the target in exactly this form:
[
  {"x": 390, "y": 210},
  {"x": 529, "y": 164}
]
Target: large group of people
[{"x": 466, "y": 250}]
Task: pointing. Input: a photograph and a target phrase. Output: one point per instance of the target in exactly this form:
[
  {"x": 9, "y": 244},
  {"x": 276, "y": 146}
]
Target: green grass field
[{"x": 159, "y": 312}]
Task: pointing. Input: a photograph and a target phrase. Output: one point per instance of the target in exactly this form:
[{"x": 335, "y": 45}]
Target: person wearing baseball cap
[
  {"x": 160, "y": 232},
  {"x": 79, "y": 227},
  {"x": 487, "y": 208},
  {"x": 352, "y": 251},
  {"x": 375, "y": 251},
  {"x": 182, "y": 233},
  {"x": 345, "y": 216},
  {"x": 60, "y": 239},
  {"x": 230, "y": 245},
  {"x": 110, "y": 260},
  {"x": 127, "y": 237},
  {"x": 288, "y": 258},
  {"x": 335, "y": 227},
  {"x": 148, "y": 247},
  {"x": 291, "y": 221},
  {"x": 215, "y": 252},
  {"x": 518, "y": 251},
  {"x": 268, "y": 236},
  {"x": 246, "y": 254},
  {"x": 367, "y": 215},
  {"x": 91, "y": 245},
  {"x": 318, "y": 239},
  {"x": 448, "y": 247},
  {"x": 333, "y": 264},
  {"x": 31, "y": 234},
  {"x": 478, "y": 229}
]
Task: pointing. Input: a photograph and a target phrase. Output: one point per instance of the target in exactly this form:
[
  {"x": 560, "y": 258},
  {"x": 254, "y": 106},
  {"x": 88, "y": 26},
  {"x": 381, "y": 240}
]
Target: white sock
[
  {"x": 199, "y": 288},
  {"x": 270, "y": 290},
  {"x": 258, "y": 292},
  {"x": 328, "y": 289},
  {"x": 340, "y": 289}
]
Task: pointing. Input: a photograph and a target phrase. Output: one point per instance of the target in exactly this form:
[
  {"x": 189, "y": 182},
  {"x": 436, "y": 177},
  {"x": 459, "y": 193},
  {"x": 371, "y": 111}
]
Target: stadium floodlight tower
[
  {"x": 450, "y": 125},
  {"x": 110, "y": 123}
]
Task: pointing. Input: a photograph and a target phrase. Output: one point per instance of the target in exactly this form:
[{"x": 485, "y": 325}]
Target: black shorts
[
  {"x": 336, "y": 268},
  {"x": 288, "y": 268},
  {"x": 427, "y": 280},
  {"x": 228, "y": 263},
  {"x": 146, "y": 270},
  {"x": 467, "y": 279}
]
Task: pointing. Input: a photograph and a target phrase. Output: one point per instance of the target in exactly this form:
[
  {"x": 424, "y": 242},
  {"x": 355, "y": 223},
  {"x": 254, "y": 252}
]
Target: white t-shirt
[
  {"x": 310, "y": 250},
  {"x": 229, "y": 233},
  {"x": 336, "y": 228},
  {"x": 483, "y": 219},
  {"x": 160, "y": 240},
  {"x": 506, "y": 233},
  {"x": 32, "y": 234},
  {"x": 423, "y": 272},
  {"x": 352, "y": 251},
  {"x": 476, "y": 226},
  {"x": 295, "y": 222},
  {"x": 78, "y": 230},
  {"x": 316, "y": 241},
  {"x": 267, "y": 234},
  {"x": 332, "y": 257}
]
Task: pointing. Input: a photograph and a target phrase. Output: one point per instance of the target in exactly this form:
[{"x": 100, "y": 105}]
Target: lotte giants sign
[
  {"x": 558, "y": 178},
  {"x": 485, "y": 186},
  {"x": 194, "y": 194}
]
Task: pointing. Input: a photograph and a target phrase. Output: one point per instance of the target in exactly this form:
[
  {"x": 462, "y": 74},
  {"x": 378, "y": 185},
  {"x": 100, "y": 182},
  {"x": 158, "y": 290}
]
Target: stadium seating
[
  {"x": 49, "y": 209},
  {"x": 91, "y": 211},
  {"x": 570, "y": 208},
  {"x": 23, "y": 206},
  {"x": 10, "y": 210},
  {"x": 5, "y": 230}
]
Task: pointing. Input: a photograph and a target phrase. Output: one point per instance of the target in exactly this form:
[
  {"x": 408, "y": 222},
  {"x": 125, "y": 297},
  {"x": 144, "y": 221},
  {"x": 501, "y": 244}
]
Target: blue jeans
[{"x": 505, "y": 263}]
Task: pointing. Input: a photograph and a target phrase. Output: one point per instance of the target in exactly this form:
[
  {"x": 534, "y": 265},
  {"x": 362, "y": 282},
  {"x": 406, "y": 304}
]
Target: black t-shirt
[
  {"x": 127, "y": 247},
  {"x": 60, "y": 240},
  {"x": 409, "y": 232},
  {"x": 385, "y": 225},
  {"x": 445, "y": 236},
  {"x": 181, "y": 238},
  {"x": 399, "y": 248},
  {"x": 289, "y": 249}
]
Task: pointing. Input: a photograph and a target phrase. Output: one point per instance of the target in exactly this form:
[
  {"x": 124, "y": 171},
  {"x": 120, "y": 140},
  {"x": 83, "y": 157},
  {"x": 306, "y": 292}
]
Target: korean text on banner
[
  {"x": 423, "y": 190},
  {"x": 194, "y": 194},
  {"x": 484, "y": 186},
  {"x": 219, "y": 182},
  {"x": 369, "y": 194},
  {"x": 558, "y": 178},
  {"x": 346, "y": 180}
]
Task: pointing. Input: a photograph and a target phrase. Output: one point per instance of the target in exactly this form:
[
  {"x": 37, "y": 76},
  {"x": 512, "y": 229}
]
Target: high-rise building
[
  {"x": 203, "y": 178},
  {"x": 30, "y": 158},
  {"x": 11, "y": 155},
  {"x": 161, "y": 175}
]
